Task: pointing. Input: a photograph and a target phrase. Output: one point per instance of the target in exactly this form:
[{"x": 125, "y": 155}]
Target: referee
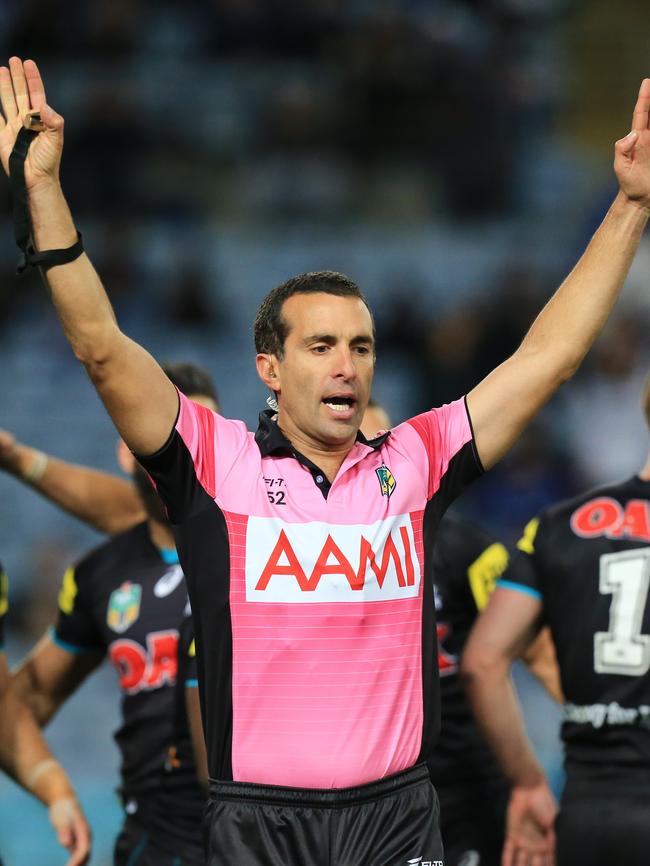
[{"x": 306, "y": 547}]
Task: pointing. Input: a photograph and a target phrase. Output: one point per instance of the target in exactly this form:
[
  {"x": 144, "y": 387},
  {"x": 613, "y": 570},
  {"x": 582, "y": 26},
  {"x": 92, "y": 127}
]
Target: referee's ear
[
  {"x": 125, "y": 459},
  {"x": 267, "y": 370}
]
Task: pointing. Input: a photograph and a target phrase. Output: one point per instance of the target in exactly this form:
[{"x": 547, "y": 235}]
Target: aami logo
[
  {"x": 310, "y": 562},
  {"x": 606, "y": 516}
]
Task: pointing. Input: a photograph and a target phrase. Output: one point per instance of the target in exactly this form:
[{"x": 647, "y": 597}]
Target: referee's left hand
[
  {"x": 632, "y": 153},
  {"x": 530, "y": 827}
]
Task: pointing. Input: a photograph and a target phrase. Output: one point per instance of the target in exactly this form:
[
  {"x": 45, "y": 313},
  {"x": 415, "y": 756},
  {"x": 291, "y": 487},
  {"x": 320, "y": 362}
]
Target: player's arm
[
  {"x": 193, "y": 707},
  {"x": 104, "y": 501},
  {"x": 50, "y": 674},
  {"x": 541, "y": 659},
  {"x": 25, "y": 756},
  {"x": 552, "y": 350},
  {"x": 141, "y": 400},
  {"x": 539, "y": 656},
  {"x": 500, "y": 635}
]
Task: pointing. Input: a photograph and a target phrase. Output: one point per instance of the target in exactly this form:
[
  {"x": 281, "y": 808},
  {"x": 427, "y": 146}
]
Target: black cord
[{"x": 22, "y": 220}]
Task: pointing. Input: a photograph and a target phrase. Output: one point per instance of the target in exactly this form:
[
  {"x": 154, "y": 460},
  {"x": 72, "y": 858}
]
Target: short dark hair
[
  {"x": 271, "y": 330},
  {"x": 191, "y": 380}
]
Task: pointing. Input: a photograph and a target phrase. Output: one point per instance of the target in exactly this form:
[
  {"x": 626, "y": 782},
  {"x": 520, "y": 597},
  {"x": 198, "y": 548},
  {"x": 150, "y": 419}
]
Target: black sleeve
[
  {"x": 76, "y": 630},
  {"x": 485, "y": 570},
  {"x": 522, "y": 573}
]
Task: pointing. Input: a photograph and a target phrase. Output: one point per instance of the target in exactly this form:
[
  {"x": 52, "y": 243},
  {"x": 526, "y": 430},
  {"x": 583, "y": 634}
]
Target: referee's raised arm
[
  {"x": 141, "y": 400},
  {"x": 554, "y": 347}
]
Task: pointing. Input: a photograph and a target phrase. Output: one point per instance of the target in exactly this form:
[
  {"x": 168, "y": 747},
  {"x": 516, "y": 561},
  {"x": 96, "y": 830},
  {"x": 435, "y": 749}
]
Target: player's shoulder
[
  {"x": 620, "y": 491},
  {"x": 113, "y": 551},
  {"x": 441, "y": 430}
]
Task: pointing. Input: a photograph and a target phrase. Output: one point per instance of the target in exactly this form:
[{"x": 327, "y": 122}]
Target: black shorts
[
  {"x": 601, "y": 824},
  {"x": 138, "y": 845},
  {"x": 472, "y": 822},
  {"x": 385, "y": 823}
]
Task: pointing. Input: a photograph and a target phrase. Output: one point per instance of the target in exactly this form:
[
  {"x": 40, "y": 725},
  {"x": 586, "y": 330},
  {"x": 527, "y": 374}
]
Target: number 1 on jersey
[{"x": 623, "y": 649}]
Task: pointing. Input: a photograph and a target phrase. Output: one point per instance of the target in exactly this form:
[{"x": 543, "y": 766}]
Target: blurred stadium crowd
[{"x": 451, "y": 156}]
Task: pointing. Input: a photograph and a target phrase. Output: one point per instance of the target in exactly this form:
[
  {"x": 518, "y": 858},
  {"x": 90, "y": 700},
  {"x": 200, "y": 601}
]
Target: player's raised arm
[
  {"x": 139, "y": 397},
  {"x": 509, "y": 397},
  {"x": 104, "y": 501}
]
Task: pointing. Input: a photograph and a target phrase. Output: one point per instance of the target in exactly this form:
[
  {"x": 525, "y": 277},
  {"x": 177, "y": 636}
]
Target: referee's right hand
[{"x": 21, "y": 92}]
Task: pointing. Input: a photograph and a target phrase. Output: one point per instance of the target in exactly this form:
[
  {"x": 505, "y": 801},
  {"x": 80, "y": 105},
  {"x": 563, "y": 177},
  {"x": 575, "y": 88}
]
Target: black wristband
[
  {"x": 22, "y": 221},
  {"x": 48, "y": 258}
]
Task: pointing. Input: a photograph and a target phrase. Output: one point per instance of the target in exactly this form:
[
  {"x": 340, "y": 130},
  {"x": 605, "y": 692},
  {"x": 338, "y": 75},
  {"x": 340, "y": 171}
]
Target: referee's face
[{"x": 323, "y": 379}]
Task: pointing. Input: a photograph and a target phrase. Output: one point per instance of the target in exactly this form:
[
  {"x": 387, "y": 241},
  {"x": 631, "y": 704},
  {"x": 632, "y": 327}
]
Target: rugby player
[
  {"x": 473, "y": 792},
  {"x": 583, "y": 568},
  {"x": 319, "y": 703},
  {"x": 127, "y": 600},
  {"x": 24, "y": 755}
]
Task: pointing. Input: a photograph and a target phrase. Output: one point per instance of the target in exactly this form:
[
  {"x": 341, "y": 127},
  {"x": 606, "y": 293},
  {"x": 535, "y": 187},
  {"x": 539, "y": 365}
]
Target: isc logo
[
  {"x": 319, "y": 562},
  {"x": 139, "y": 670},
  {"x": 606, "y": 516}
]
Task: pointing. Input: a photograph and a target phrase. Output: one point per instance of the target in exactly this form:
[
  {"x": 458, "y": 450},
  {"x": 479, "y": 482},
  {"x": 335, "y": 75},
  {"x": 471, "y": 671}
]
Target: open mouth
[{"x": 340, "y": 403}]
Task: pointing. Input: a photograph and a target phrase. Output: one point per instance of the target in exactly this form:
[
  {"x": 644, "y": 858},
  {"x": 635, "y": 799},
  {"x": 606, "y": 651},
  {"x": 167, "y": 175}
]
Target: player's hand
[
  {"x": 8, "y": 451},
  {"x": 632, "y": 153},
  {"x": 72, "y": 829},
  {"x": 22, "y": 91},
  {"x": 530, "y": 823}
]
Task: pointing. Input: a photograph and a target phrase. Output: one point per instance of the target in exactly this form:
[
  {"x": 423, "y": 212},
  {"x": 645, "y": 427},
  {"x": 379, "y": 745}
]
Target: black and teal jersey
[
  {"x": 588, "y": 561},
  {"x": 127, "y": 600},
  {"x": 466, "y": 565},
  {"x": 179, "y": 794}
]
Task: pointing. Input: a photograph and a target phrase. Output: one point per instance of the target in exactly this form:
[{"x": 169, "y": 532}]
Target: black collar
[{"x": 271, "y": 440}]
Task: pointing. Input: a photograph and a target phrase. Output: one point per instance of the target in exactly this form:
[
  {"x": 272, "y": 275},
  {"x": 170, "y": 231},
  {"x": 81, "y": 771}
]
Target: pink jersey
[{"x": 313, "y": 602}]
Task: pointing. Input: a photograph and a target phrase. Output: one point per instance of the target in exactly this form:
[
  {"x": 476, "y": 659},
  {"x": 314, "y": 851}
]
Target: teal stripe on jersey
[
  {"x": 135, "y": 854},
  {"x": 519, "y": 587}
]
